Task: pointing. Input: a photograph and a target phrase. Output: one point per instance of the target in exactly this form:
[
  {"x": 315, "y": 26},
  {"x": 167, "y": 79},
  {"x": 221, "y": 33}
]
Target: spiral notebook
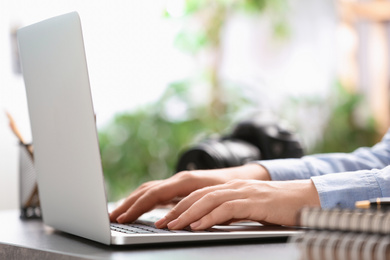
[{"x": 344, "y": 234}]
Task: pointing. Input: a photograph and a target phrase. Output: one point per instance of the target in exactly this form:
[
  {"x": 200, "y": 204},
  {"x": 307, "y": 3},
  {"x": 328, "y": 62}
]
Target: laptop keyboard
[
  {"x": 141, "y": 229},
  {"x": 145, "y": 225}
]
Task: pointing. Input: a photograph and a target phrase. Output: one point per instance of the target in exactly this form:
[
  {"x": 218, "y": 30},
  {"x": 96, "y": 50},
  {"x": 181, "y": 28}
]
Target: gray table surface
[{"x": 31, "y": 239}]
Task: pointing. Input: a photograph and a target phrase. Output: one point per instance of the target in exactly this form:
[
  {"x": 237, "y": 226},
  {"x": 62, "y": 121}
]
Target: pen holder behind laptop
[{"x": 28, "y": 188}]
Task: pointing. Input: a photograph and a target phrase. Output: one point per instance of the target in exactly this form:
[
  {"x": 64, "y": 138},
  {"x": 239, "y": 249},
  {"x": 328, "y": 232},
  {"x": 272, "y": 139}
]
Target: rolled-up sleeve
[{"x": 340, "y": 178}]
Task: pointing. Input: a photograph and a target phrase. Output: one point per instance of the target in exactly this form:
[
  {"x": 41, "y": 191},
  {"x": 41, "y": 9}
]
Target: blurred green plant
[
  {"x": 204, "y": 21},
  {"x": 349, "y": 125},
  {"x": 345, "y": 115}
]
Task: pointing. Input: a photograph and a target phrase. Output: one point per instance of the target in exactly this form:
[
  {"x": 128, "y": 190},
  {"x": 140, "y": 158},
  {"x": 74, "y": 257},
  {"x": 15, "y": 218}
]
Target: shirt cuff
[{"x": 344, "y": 189}]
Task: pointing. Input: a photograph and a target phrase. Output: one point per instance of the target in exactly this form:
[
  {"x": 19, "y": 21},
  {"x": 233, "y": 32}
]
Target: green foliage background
[{"x": 347, "y": 127}]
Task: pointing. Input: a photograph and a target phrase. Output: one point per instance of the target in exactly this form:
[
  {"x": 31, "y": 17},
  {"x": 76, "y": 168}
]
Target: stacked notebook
[{"x": 344, "y": 234}]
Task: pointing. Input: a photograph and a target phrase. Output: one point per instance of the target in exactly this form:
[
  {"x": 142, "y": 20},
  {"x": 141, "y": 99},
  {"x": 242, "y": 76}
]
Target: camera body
[{"x": 250, "y": 140}]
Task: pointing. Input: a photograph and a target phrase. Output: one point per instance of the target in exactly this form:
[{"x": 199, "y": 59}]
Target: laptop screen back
[{"x": 66, "y": 148}]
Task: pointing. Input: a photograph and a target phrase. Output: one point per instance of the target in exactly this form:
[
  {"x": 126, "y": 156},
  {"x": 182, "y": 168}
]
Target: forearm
[{"x": 252, "y": 171}]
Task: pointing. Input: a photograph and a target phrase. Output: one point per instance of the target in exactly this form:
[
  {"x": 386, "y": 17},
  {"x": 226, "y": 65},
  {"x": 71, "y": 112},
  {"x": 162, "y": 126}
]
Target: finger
[
  {"x": 158, "y": 194},
  {"x": 204, "y": 206},
  {"x": 179, "y": 185},
  {"x": 192, "y": 198},
  {"x": 234, "y": 209},
  {"x": 144, "y": 202},
  {"x": 184, "y": 204},
  {"x": 131, "y": 199},
  {"x": 139, "y": 192}
]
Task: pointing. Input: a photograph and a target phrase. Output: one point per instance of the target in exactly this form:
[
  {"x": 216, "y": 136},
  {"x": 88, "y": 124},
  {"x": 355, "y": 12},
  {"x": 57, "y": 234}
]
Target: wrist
[
  {"x": 314, "y": 195},
  {"x": 309, "y": 190},
  {"x": 256, "y": 171}
]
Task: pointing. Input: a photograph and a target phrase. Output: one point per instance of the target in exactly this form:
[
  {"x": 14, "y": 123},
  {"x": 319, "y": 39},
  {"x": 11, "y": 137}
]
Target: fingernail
[
  {"x": 172, "y": 224},
  {"x": 120, "y": 218},
  {"x": 160, "y": 222},
  {"x": 195, "y": 224}
]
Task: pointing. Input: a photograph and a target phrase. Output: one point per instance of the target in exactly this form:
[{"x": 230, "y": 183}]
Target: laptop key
[
  {"x": 151, "y": 228},
  {"x": 137, "y": 228},
  {"x": 123, "y": 230}
]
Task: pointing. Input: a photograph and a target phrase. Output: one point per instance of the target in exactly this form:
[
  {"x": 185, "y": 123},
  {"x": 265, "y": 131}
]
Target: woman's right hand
[{"x": 161, "y": 192}]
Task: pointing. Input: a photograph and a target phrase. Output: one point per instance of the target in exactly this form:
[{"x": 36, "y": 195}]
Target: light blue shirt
[{"x": 340, "y": 178}]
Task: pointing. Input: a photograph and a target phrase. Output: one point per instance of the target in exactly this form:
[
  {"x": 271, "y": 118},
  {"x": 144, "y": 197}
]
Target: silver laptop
[{"x": 66, "y": 147}]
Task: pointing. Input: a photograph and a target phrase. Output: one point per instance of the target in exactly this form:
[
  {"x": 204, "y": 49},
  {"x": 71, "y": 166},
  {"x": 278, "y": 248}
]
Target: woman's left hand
[{"x": 276, "y": 202}]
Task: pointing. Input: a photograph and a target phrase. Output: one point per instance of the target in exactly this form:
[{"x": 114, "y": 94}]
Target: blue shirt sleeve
[{"x": 340, "y": 178}]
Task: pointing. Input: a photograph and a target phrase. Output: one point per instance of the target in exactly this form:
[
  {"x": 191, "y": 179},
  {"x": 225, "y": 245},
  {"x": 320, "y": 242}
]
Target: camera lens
[{"x": 218, "y": 153}]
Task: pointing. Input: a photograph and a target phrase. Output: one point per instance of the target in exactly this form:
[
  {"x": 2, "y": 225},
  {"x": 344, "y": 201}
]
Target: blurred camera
[{"x": 250, "y": 140}]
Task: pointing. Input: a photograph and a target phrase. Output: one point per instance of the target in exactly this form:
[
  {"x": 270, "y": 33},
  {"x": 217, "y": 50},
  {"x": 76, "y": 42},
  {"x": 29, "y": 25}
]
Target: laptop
[{"x": 66, "y": 147}]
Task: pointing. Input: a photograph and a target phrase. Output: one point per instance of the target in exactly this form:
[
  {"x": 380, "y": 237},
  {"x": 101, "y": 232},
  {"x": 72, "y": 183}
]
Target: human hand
[
  {"x": 276, "y": 202},
  {"x": 154, "y": 193}
]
